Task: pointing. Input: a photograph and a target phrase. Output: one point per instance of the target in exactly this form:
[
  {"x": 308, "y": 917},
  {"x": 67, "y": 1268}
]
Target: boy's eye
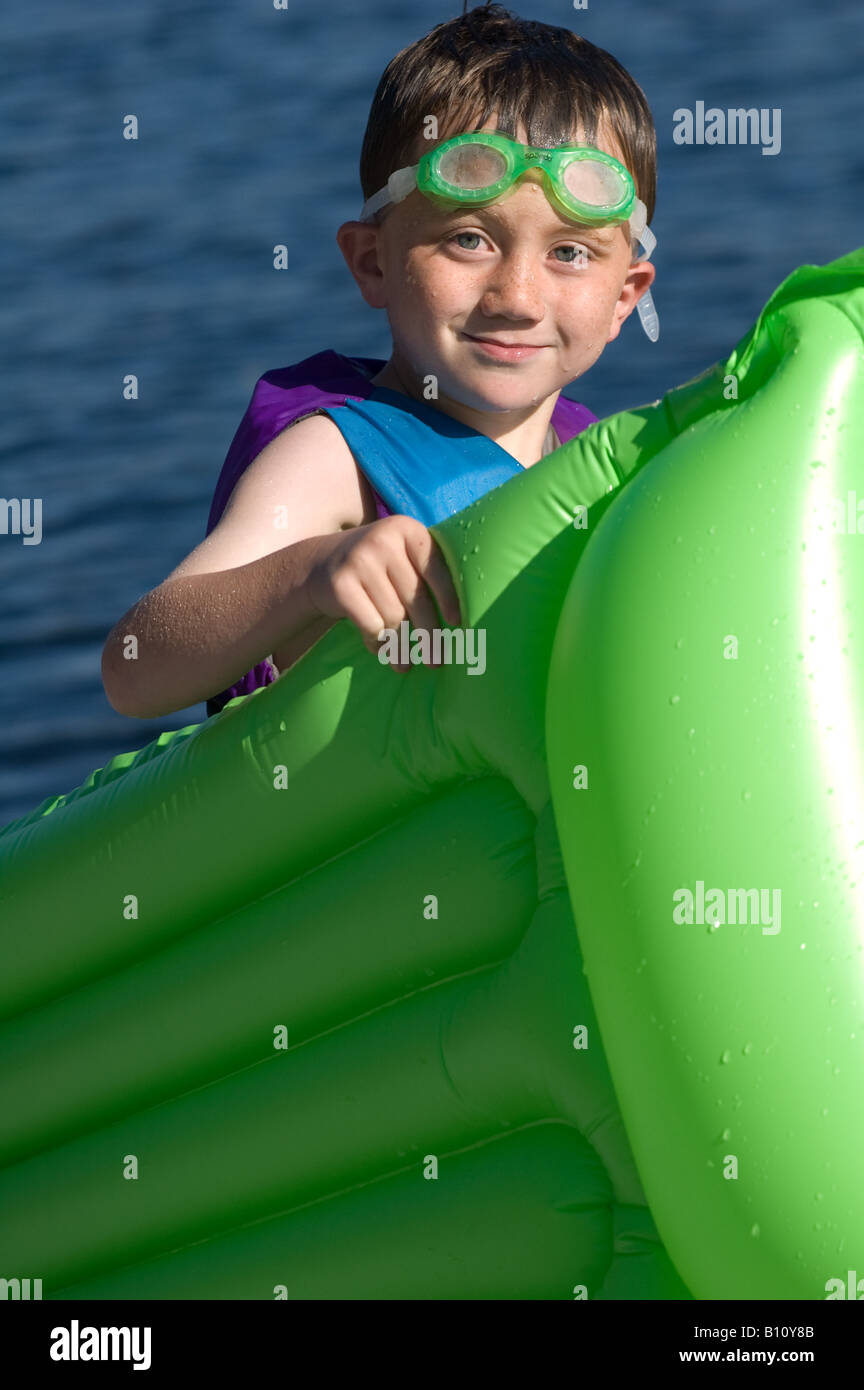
[
  {"x": 475, "y": 236},
  {"x": 573, "y": 255}
]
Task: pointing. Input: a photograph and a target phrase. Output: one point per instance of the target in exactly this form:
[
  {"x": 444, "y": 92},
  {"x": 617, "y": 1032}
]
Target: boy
[{"x": 503, "y": 278}]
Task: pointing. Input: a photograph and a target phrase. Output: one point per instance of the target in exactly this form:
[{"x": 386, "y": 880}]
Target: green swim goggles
[{"x": 583, "y": 183}]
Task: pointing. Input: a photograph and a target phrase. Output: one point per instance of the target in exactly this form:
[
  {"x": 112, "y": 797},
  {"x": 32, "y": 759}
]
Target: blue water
[{"x": 155, "y": 258}]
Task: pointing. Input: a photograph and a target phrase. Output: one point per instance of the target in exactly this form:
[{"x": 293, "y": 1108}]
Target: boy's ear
[
  {"x": 358, "y": 242},
  {"x": 639, "y": 278}
]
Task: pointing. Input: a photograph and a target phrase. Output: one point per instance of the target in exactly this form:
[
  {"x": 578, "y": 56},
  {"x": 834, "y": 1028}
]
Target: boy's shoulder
[{"x": 284, "y": 396}]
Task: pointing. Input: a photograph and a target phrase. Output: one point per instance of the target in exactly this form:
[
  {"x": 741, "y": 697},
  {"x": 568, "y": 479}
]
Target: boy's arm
[{"x": 243, "y": 591}]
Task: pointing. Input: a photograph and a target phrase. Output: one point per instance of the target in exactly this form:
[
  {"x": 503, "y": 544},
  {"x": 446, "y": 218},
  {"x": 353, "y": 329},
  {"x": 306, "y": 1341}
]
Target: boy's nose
[{"x": 513, "y": 289}]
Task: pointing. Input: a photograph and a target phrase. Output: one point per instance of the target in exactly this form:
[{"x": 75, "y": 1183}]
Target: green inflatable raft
[{"x": 540, "y": 983}]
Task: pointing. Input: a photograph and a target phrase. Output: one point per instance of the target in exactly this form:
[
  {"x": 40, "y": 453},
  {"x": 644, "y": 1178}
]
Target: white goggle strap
[
  {"x": 642, "y": 233},
  {"x": 397, "y": 187}
]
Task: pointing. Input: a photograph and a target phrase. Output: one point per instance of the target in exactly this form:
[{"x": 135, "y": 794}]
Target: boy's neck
[{"x": 524, "y": 434}]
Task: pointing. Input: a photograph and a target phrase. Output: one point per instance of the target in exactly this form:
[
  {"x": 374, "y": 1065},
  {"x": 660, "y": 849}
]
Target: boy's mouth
[{"x": 505, "y": 351}]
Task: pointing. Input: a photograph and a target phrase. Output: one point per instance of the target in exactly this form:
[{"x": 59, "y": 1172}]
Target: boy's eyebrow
[{"x": 604, "y": 233}]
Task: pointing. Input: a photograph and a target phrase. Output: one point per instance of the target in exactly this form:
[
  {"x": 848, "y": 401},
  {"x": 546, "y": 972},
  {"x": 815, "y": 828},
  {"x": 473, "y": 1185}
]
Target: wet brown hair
[{"x": 489, "y": 62}]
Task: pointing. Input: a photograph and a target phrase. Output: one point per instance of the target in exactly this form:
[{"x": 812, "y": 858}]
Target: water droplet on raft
[
  {"x": 754, "y": 1231},
  {"x": 745, "y": 796},
  {"x": 674, "y": 699},
  {"x": 725, "y": 1056}
]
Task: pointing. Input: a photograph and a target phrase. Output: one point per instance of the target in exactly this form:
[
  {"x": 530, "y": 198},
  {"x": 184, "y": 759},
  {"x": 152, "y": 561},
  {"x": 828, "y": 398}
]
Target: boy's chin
[{"x": 507, "y": 391}]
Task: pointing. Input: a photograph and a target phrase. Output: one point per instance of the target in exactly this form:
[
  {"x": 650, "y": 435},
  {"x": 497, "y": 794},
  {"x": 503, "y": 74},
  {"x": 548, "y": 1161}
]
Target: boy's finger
[
  {"x": 430, "y": 563},
  {"x": 422, "y": 611},
  {"x": 364, "y": 613},
  {"x": 386, "y": 599},
  {"x": 440, "y": 581},
  {"x": 411, "y": 587}
]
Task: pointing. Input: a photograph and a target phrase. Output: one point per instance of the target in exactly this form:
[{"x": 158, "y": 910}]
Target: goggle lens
[
  {"x": 472, "y": 167},
  {"x": 598, "y": 185}
]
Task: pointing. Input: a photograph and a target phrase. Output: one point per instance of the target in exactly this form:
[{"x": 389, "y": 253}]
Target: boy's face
[{"x": 461, "y": 286}]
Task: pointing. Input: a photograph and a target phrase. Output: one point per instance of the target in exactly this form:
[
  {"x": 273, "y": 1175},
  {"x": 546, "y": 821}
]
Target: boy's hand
[{"x": 380, "y": 574}]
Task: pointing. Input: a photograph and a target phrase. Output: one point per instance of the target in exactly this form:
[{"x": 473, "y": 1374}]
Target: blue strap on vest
[{"x": 430, "y": 478}]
